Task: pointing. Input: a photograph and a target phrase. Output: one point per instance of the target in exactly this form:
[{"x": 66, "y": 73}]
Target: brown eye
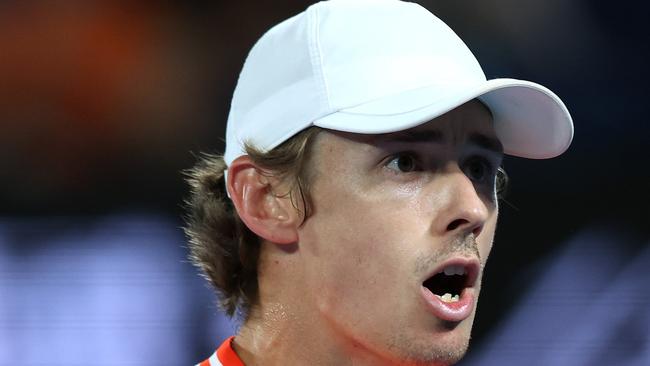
[
  {"x": 479, "y": 169},
  {"x": 403, "y": 163}
]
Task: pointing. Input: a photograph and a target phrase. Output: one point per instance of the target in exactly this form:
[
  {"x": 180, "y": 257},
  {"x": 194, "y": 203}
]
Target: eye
[
  {"x": 479, "y": 169},
  {"x": 402, "y": 163}
]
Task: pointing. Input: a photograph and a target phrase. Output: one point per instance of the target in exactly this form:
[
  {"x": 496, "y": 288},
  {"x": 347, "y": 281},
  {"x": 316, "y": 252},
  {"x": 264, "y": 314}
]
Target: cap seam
[{"x": 316, "y": 58}]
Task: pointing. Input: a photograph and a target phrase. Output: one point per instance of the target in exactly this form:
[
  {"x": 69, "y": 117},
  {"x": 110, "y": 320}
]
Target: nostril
[
  {"x": 462, "y": 222},
  {"x": 455, "y": 224}
]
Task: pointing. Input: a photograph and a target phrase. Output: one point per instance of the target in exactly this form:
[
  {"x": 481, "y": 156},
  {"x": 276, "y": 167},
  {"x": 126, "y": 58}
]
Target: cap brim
[{"x": 529, "y": 120}]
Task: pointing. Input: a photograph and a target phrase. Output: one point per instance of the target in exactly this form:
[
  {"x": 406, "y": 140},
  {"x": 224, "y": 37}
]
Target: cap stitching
[{"x": 315, "y": 54}]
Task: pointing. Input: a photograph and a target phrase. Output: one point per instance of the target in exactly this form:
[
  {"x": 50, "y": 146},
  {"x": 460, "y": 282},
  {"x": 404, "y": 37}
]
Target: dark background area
[{"x": 104, "y": 103}]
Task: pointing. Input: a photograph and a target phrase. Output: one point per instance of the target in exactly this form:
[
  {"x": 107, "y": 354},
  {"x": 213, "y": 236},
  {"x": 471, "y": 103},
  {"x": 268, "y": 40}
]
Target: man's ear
[{"x": 268, "y": 214}]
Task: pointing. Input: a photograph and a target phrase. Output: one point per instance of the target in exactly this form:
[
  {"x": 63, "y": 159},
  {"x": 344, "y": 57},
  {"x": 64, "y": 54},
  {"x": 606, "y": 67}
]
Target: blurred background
[{"x": 103, "y": 104}]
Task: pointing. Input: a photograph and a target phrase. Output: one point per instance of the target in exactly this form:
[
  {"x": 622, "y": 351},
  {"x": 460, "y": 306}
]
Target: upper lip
[{"x": 471, "y": 264}]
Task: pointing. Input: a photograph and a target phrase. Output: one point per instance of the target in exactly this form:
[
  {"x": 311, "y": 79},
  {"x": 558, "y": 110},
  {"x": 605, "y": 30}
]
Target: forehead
[
  {"x": 469, "y": 123},
  {"x": 471, "y": 120}
]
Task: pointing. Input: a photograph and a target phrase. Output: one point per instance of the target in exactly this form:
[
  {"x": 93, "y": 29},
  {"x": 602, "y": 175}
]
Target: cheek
[
  {"x": 486, "y": 237},
  {"x": 357, "y": 249},
  {"x": 354, "y": 238}
]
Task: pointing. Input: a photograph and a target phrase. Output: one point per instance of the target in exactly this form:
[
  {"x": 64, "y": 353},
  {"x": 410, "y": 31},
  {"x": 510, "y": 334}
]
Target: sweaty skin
[{"x": 387, "y": 211}]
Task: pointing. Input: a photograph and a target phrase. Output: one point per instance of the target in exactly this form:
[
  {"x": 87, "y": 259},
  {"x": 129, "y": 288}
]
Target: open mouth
[
  {"x": 449, "y": 283},
  {"x": 450, "y": 291}
]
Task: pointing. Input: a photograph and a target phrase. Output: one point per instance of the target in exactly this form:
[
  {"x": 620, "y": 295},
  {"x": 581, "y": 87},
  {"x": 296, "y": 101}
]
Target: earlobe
[{"x": 267, "y": 214}]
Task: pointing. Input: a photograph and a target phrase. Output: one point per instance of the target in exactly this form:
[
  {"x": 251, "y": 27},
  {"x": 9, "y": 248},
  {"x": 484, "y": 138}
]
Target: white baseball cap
[{"x": 379, "y": 66}]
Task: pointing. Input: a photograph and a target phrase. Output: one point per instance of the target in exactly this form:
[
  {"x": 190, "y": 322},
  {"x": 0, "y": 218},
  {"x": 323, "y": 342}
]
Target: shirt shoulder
[{"x": 225, "y": 355}]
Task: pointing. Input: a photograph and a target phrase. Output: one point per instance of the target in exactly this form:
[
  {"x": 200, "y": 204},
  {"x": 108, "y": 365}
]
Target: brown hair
[{"x": 221, "y": 246}]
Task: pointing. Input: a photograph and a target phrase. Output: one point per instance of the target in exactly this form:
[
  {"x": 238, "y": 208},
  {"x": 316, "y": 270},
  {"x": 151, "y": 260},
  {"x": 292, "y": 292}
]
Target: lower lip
[{"x": 450, "y": 311}]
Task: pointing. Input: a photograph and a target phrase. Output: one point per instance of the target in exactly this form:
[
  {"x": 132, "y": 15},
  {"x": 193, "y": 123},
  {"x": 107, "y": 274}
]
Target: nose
[{"x": 462, "y": 210}]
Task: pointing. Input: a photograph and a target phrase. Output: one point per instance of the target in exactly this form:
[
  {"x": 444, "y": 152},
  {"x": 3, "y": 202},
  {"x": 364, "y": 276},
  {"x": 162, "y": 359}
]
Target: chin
[{"x": 443, "y": 348}]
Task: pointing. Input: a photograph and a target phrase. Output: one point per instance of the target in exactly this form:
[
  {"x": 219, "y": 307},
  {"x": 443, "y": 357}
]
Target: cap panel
[
  {"x": 274, "y": 97},
  {"x": 372, "y": 49}
]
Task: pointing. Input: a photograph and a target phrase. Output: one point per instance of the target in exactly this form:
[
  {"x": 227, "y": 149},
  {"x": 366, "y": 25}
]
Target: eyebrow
[
  {"x": 435, "y": 136},
  {"x": 485, "y": 142}
]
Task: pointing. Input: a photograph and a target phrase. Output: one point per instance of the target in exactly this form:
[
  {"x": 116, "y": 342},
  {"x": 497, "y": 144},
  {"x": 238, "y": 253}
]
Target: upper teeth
[
  {"x": 454, "y": 270},
  {"x": 450, "y": 298}
]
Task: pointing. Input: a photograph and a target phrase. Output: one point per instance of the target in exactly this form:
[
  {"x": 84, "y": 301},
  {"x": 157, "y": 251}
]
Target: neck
[
  {"x": 286, "y": 327},
  {"x": 275, "y": 336},
  {"x": 279, "y": 331}
]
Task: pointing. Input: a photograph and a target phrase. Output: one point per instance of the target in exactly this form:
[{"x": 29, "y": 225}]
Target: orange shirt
[{"x": 224, "y": 356}]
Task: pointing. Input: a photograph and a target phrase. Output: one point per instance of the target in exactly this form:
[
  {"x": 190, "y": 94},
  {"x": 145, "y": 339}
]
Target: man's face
[{"x": 389, "y": 213}]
